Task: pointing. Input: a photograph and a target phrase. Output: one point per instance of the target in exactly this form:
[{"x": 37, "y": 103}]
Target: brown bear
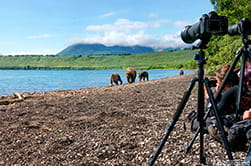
[
  {"x": 115, "y": 78},
  {"x": 143, "y": 75},
  {"x": 130, "y": 75},
  {"x": 181, "y": 72}
]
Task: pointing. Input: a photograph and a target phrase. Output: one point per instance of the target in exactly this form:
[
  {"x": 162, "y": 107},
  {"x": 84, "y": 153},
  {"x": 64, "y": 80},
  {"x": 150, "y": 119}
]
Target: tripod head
[
  {"x": 246, "y": 42},
  {"x": 200, "y": 57},
  {"x": 202, "y": 44}
]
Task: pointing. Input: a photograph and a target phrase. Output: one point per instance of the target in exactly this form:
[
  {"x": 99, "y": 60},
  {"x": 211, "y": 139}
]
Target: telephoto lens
[
  {"x": 190, "y": 33},
  {"x": 243, "y": 27}
]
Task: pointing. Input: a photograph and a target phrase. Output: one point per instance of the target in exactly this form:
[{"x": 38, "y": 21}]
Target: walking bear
[
  {"x": 143, "y": 76},
  {"x": 130, "y": 75},
  {"x": 115, "y": 78},
  {"x": 181, "y": 72}
]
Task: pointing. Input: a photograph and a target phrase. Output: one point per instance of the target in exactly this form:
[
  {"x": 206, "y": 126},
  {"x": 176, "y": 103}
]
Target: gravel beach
[{"x": 105, "y": 126}]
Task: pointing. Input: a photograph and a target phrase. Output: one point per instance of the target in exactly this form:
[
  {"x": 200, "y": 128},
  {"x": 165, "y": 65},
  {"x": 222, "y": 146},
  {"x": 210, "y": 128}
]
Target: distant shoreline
[{"x": 82, "y": 68}]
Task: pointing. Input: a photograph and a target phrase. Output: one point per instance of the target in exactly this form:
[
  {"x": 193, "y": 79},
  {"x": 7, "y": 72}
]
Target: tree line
[{"x": 221, "y": 49}]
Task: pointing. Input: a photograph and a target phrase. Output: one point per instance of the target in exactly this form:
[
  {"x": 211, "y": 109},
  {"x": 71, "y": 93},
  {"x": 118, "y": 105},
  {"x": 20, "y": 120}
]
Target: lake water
[{"x": 12, "y": 81}]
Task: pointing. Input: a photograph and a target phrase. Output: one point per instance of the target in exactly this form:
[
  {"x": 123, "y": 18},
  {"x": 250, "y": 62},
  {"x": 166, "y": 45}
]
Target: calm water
[{"x": 48, "y": 80}]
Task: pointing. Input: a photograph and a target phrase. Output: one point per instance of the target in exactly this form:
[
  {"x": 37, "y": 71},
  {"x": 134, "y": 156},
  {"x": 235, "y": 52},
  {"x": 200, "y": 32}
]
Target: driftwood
[
  {"x": 17, "y": 98},
  {"x": 9, "y": 101}
]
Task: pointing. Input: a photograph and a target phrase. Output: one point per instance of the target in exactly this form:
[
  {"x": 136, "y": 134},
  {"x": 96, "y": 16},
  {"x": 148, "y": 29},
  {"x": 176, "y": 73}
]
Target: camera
[
  {"x": 209, "y": 24},
  {"x": 243, "y": 27}
]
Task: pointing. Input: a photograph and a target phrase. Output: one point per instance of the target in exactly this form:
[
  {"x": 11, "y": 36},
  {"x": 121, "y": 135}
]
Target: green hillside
[{"x": 156, "y": 60}]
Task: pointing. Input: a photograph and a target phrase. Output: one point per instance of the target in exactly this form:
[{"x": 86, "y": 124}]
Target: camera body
[
  {"x": 210, "y": 24},
  {"x": 216, "y": 25}
]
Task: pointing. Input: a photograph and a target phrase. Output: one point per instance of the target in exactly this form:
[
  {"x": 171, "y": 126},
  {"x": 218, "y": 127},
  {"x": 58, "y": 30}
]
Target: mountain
[
  {"x": 97, "y": 49},
  {"x": 172, "y": 49}
]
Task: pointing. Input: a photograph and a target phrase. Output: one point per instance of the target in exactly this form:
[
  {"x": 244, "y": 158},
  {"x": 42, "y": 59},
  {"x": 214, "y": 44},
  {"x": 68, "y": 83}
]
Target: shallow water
[{"x": 47, "y": 80}]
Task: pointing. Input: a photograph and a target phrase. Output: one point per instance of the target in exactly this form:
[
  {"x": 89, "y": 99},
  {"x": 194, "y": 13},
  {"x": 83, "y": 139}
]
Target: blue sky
[{"x": 49, "y": 26}]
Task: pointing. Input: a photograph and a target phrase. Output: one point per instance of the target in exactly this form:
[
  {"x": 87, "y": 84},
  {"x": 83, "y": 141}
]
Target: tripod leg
[
  {"x": 200, "y": 107},
  {"x": 219, "y": 123},
  {"x": 175, "y": 119},
  {"x": 189, "y": 146},
  {"x": 230, "y": 71},
  {"x": 243, "y": 66}
]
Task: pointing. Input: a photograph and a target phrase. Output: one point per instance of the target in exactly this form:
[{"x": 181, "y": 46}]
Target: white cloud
[
  {"x": 40, "y": 36},
  {"x": 126, "y": 32},
  {"x": 125, "y": 25},
  {"x": 138, "y": 38},
  {"x": 151, "y": 15},
  {"x": 107, "y": 14}
]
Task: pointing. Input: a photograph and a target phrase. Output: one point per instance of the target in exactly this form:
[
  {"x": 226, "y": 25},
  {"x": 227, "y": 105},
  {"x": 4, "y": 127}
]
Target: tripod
[
  {"x": 201, "y": 60},
  {"x": 241, "y": 53}
]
